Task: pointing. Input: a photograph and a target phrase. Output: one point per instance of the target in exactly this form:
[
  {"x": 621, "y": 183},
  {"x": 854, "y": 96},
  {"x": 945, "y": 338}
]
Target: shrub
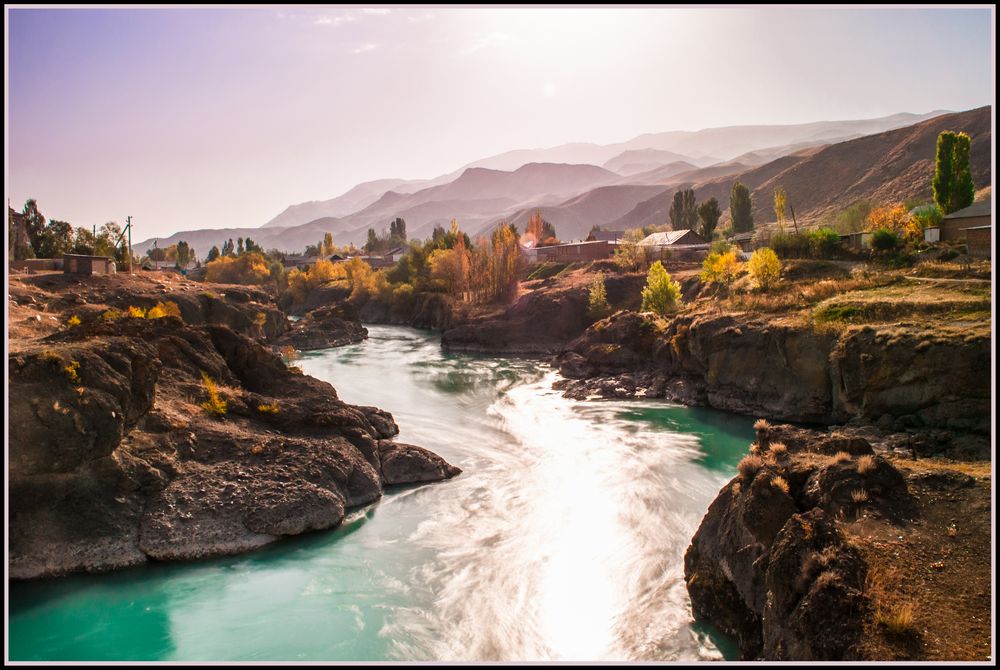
[
  {"x": 49, "y": 356},
  {"x": 823, "y": 243},
  {"x": 289, "y": 352},
  {"x": 662, "y": 294},
  {"x": 779, "y": 449},
  {"x": 841, "y": 457},
  {"x": 791, "y": 245},
  {"x": 884, "y": 239},
  {"x": 765, "y": 268},
  {"x": 73, "y": 321},
  {"x": 112, "y": 314},
  {"x": 268, "y": 409},
  {"x": 598, "y": 307},
  {"x": 71, "y": 372},
  {"x": 780, "y": 484},
  {"x": 214, "y": 405},
  {"x": 749, "y": 466},
  {"x": 721, "y": 268},
  {"x": 136, "y": 312},
  {"x": 761, "y": 424},
  {"x": 859, "y": 496},
  {"x": 163, "y": 309}
]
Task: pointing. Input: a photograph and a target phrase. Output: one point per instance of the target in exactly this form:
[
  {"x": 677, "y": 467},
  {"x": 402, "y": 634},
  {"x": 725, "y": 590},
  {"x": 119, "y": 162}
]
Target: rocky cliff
[
  {"x": 115, "y": 457},
  {"x": 899, "y": 377}
]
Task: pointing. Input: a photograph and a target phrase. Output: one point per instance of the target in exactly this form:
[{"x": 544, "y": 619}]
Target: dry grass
[
  {"x": 780, "y": 484},
  {"x": 896, "y": 616},
  {"x": 761, "y": 424},
  {"x": 841, "y": 457},
  {"x": 779, "y": 449},
  {"x": 268, "y": 409},
  {"x": 736, "y": 488},
  {"x": 859, "y": 496},
  {"x": 866, "y": 464},
  {"x": 71, "y": 370},
  {"x": 749, "y": 466}
]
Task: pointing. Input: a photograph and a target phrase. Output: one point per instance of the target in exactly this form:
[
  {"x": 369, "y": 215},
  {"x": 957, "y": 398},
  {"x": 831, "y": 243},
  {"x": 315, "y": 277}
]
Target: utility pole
[{"x": 129, "y": 229}]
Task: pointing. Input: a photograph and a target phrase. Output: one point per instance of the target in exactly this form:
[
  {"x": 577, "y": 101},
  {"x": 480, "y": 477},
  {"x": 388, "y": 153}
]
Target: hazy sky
[{"x": 205, "y": 118}]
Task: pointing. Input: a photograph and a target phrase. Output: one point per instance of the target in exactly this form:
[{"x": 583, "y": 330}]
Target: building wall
[
  {"x": 37, "y": 265},
  {"x": 951, "y": 229},
  {"x": 591, "y": 251},
  {"x": 979, "y": 242}
]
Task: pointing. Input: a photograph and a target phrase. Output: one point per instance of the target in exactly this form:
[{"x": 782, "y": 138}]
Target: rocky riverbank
[
  {"x": 821, "y": 549},
  {"x": 178, "y": 437}
]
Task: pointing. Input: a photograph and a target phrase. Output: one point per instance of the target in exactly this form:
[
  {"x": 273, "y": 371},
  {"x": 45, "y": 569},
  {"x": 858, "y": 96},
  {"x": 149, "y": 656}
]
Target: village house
[
  {"x": 88, "y": 265},
  {"x": 974, "y": 225},
  {"x": 572, "y": 251}
]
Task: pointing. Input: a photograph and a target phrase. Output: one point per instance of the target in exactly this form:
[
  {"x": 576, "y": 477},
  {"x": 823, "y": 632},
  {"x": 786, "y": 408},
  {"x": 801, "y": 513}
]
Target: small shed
[
  {"x": 88, "y": 265},
  {"x": 976, "y": 219},
  {"x": 745, "y": 241}
]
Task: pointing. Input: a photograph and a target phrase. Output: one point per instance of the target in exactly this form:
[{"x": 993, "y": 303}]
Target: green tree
[
  {"x": 185, "y": 254},
  {"x": 684, "y": 211},
  {"x": 597, "y": 306},
  {"x": 661, "y": 294},
  {"x": 156, "y": 253},
  {"x": 213, "y": 253},
  {"x": 943, "y": 170},
  {"x": 34, "y": 224},
  {"x": 84, "y": 242},
  {"x": 740, "y": 207},
  {"x": 963, "y": 189},
  {"x": 55, "y": 240},
  {"x": 709, "y": 214},
  {"x": 397, "y": 230},
  {"x": 240, "y": 249}
]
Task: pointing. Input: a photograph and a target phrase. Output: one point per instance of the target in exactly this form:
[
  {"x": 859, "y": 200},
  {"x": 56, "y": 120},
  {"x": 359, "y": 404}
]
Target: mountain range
[{"x": 822, "y": 166}]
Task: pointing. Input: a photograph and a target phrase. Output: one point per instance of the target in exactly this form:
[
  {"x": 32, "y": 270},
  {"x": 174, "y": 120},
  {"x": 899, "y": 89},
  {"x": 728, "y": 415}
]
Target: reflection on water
[{"x": 562, "y": 540}]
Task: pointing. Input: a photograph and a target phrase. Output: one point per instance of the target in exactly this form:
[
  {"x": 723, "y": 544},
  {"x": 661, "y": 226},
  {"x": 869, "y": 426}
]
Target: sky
[{"x": 208, "y": 118}]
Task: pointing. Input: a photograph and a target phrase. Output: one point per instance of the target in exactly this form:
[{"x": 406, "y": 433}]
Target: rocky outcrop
[
  {"x": 113, "y": 460},
  {"x": 787, "y": 370},
  {"x": 540, "y": 322},
  {"x": 769, "y": 566},
  {"x": 431, "y": 311},
  {"x": 324, "y": 328}
]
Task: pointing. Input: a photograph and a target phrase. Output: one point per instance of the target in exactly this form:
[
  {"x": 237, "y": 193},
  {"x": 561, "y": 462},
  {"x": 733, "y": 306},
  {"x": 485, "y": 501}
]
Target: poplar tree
[
  {"x": 943, "y": 170},
  {"x": 740, "y": 207}
]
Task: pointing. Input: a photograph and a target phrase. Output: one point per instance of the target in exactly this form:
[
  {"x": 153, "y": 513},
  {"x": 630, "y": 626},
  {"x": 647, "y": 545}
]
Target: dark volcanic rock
[
  {"x": 540, "y": 322},
  {"x": 114, "y": 461},
  {"x": 407, "y": 464},
  {"x": 324, "y": 328},
  {"x": 768, "y": 565}
]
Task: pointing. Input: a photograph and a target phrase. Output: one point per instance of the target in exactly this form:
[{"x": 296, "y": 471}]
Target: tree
[
  {"x": 944, "y": 170},
  {"x": 629, "y": 255},
  {"x": 597, "y": 306},
  {"x": 240, "y": 250},
  {"x": 661, "y": 294},
  {"x": 764, "y": 268},
  {"x": 740, "y": 207},
  {"x": 963, "y": 190},
  {"x": 722, "y": 267},
  {"x": 326, "y": 247},
  {"x": 84, "y": 242},
  {"x": 213, "y": 253},
  {"x": 156, "y": 253},
  {"x": 249, "y": 246},
  {"x": 185, "y": 254},
  {"x": 228, "y": 247},
  {"x": 34, "y": 224},
  {"x": 106, "y": 243},
  {"x": 55, "y": 240},
  {"x": 397, "y": 230},
  {"x": 709, "y": 214},
  {"x": 372, "y": 244},
  {"x": 779, "y": 206},
  {"x": 684, "y": 211}
]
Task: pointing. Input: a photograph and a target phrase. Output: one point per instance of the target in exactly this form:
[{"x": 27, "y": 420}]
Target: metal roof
[
  {"x": 668, "y": 237},
  {"x": 981, "y": 208}
]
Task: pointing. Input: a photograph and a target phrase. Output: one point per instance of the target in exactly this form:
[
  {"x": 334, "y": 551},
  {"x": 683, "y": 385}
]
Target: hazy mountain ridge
[{"x": 469, "y": 194}]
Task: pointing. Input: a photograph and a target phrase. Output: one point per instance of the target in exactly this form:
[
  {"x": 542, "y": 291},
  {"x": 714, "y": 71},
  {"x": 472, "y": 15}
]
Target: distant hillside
[
  {"x": 891, "y": 166},
  {"x": 642, "y": 160}
]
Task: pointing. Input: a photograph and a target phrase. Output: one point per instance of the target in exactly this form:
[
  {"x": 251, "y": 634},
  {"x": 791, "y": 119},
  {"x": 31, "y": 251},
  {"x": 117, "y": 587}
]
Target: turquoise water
[{"x": 563, "y": 539}]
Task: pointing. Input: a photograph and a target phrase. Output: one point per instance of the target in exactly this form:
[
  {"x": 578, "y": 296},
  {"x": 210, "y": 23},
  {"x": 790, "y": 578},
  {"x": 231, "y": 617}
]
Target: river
[{"x": 563, "y": 539}]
